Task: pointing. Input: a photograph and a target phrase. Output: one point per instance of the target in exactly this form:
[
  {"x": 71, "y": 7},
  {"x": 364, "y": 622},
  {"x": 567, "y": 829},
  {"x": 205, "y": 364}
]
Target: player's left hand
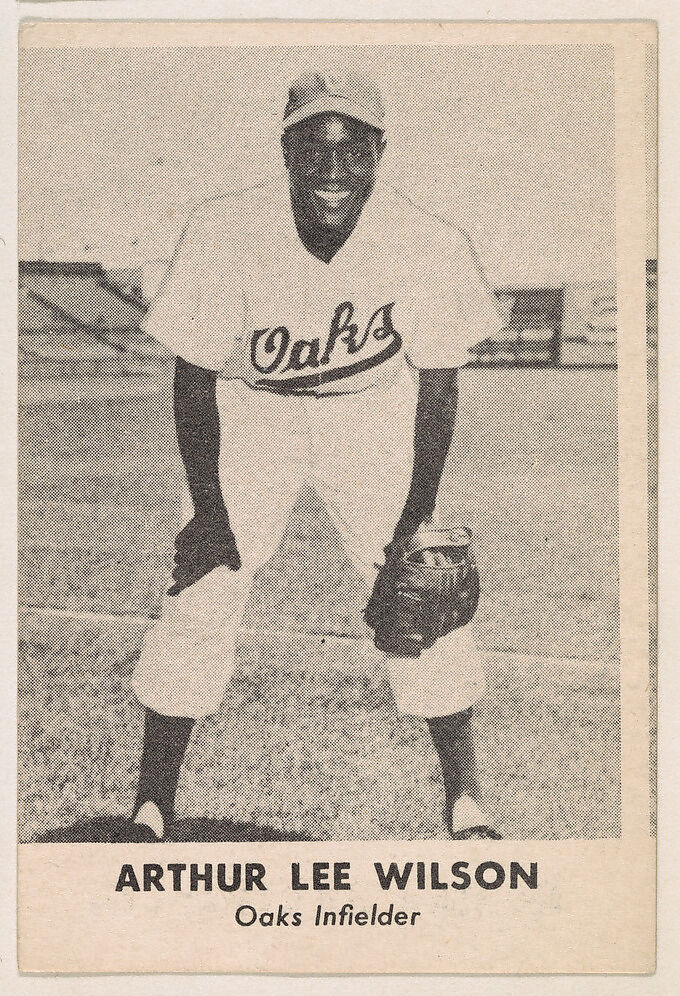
[
  {"x": 427, "y": 587},
  {"x": 437, "y": 557},
  {"x": 410, "y": 521}
]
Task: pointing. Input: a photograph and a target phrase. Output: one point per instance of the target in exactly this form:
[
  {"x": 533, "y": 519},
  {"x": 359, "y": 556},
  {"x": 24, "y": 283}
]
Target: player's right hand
[{"x": 206, "y": 542}]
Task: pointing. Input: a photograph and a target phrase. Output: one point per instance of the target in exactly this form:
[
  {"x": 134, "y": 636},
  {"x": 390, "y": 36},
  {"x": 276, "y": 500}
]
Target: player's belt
[
  {"x": 310, "y": 382},
  {"x": 284, "y": 390}
]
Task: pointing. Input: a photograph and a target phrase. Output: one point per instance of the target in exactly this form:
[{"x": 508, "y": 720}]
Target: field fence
[{"x": 80, "y": 320}]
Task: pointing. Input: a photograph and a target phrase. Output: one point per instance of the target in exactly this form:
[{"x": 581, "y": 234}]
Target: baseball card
[{"x": 337, "y": 489}]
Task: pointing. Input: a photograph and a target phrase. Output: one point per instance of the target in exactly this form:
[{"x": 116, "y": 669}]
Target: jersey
[{"x": 244, "y": 297}]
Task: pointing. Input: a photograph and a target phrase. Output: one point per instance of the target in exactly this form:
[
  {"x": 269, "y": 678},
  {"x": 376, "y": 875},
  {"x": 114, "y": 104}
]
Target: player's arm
[
  {"x": 197, "y": 423},
  {"x": 207, "y": 541},
  {"x": 433, "y": 432}
]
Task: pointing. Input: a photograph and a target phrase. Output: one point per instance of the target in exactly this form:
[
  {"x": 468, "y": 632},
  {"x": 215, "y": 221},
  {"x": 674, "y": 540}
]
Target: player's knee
[{"x": 455, "y": 720}]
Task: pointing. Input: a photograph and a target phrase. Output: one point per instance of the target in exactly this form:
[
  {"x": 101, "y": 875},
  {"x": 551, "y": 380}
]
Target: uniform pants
[{"x": 357, "y": 452}]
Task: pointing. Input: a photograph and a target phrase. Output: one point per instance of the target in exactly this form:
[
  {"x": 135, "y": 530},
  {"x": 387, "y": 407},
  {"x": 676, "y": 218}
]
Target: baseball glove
[
  {"x": 428, "y": 586},
  {"x": 206, "y": 542}
]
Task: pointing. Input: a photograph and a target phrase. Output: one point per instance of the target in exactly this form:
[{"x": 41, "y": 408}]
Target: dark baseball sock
[
  {"x": 165, "y": 741},
  {"x": 453, "y": 741}
]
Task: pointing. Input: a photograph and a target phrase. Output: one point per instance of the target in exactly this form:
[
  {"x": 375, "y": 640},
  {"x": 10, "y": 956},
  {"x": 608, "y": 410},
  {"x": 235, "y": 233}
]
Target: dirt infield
[{"x": 306, "y": 738}]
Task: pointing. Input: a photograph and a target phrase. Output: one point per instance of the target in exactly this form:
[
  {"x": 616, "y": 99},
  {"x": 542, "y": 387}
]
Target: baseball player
[{"x": 318, "y": 321}]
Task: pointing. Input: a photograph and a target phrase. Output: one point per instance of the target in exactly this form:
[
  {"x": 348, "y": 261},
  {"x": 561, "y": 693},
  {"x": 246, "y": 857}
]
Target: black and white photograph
[
  {"x": 318, "y": 433},
  {"x": 337, "y": 361}
]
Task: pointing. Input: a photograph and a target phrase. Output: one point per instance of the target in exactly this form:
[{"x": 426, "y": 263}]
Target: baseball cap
[{"x": 351, "y": 94}]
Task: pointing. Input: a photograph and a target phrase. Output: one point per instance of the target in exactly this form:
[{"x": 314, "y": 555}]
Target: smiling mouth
[{"x": 332, "y": 199}]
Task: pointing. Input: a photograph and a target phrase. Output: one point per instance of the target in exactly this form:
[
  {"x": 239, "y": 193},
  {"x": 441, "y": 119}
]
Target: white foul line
[{"x": 329, "y": 637}]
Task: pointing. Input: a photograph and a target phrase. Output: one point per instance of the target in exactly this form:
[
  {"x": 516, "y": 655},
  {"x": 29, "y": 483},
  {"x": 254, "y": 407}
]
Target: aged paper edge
[{"x": 630, "y": 948}]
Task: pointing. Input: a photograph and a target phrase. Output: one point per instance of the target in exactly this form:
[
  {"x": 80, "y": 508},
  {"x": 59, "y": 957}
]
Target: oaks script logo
[{"x": 273, "y": 352}]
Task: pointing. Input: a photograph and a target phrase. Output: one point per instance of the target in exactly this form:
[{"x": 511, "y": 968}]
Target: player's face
[{"x": 332, "y": 163}]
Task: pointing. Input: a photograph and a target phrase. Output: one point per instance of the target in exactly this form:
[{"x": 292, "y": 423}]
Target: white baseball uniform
[{"x": 314, "y": 386}]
